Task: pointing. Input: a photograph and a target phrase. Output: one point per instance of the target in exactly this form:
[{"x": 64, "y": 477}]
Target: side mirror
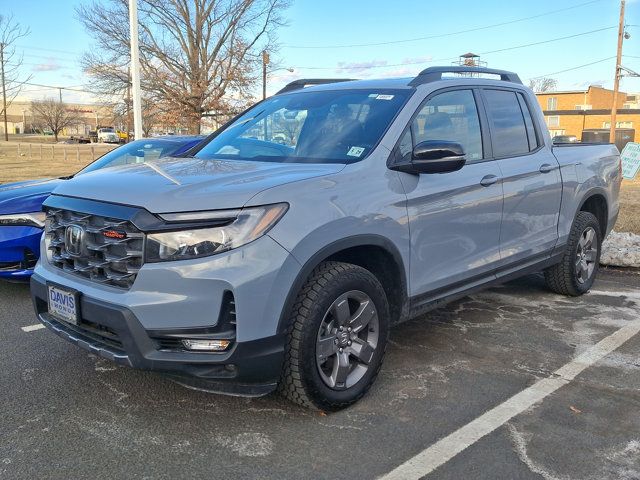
[{"x": 434, "y": 156}]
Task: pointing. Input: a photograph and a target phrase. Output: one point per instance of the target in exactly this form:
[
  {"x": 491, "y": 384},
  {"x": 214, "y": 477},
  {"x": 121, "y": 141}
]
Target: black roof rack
[
  {"x": 433, "y": 74},
  {"x": 303, "y": 82}
]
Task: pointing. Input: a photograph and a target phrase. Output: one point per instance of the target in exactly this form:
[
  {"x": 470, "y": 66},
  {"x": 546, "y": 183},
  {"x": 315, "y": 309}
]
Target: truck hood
[
  {"x": 25, "y": 197},
  {"x": 188, "y": 184}
]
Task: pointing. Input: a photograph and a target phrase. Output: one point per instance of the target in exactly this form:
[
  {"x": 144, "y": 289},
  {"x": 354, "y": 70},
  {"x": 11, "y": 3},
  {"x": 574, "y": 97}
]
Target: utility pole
[
  {"x": 4, "y": 94},
  {"x": 135, "y": 69},
  {"x": 616, "y": 80},
  {"x": 60, "y": 93},
  {"x": 265, "y": 62}
]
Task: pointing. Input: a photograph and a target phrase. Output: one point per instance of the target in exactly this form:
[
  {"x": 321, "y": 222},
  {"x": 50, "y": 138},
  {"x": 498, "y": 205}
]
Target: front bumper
[
  {"x": 19, "y": 249},
  {"x": 113, "y": 332}
]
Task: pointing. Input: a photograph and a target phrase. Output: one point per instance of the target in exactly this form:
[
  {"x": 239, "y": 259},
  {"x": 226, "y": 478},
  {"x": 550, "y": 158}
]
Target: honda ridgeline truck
[{"x": 278, "y": 255}]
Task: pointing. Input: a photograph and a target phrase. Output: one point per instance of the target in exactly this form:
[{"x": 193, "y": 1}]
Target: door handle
[
  {"x": 489, "y": 180},
  {"x": 545, "y": 168}
]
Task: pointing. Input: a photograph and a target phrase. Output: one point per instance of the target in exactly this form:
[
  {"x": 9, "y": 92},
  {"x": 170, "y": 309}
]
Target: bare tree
[
  {"x": 291, "y": 128},
  {"x": 54, "y": 115},
  {"x": 195, "y": 55},
  {"x": 154, "y": 115},
  {"x": 543, "y": 84},
  {"x": 10, "y": 31}
]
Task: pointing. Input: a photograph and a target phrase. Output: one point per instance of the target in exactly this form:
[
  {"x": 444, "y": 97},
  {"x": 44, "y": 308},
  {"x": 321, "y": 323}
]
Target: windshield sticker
[
  {"x": 384, "y": 97},
  {"x": 355, "y": 151},
  {"x": 373, "y": 95}
]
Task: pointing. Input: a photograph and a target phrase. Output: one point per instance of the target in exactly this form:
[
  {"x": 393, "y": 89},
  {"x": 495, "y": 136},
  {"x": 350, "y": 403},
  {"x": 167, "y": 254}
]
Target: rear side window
[
  {"x": 528, "y": 122},
  {"x": 508, "y": 131}
]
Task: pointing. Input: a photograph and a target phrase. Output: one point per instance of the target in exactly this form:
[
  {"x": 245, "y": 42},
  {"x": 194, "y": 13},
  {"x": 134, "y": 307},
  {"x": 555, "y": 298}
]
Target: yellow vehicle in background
[{"x": 123, "y": 136}]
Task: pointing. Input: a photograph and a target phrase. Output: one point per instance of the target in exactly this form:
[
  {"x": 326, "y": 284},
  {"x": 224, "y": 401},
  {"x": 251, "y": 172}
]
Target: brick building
[{"x": 573, "y": 112}]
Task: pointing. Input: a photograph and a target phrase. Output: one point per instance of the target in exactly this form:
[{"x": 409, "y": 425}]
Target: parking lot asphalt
[{"x": 68, "y": 414}]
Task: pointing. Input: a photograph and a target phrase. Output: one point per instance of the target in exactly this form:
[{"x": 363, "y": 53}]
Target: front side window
[
  {"x": 508, "y": 130},
  {"x": 450, "y": 116},
  {"x": 337, "y": 126}
]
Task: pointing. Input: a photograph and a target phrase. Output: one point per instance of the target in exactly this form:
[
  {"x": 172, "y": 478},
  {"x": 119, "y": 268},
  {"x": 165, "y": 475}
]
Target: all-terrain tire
[
  {"x": 301, "y": 380},
  {"x": 564, "y": 278}
]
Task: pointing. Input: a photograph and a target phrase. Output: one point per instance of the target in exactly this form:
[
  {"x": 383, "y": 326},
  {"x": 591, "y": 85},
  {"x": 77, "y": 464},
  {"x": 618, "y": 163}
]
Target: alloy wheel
[
  {"x": 586, "y": 255},
  {"x": 347, "y": 340}
]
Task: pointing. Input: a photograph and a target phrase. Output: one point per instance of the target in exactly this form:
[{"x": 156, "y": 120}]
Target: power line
[
  {"x": 66, "y": 52},
  {"x": 69, "y": 89},
  {"x": 572, "y": 68},
  {"x": 50, "y": 57},
  {"x": 441, "y": 35},
  {"x": 547, "y": 41},
  {"x": 421, "y": 62}
]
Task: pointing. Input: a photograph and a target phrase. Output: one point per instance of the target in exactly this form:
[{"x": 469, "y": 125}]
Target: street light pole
[
  {"x": 135, "y": 69},
  {"x": 616, "y": 80},
  {"x": 128, "y": 104}
]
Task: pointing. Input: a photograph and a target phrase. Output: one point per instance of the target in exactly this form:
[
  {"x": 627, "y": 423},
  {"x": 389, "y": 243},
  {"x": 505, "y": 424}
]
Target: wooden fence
[{"x": 23, "y": 161}]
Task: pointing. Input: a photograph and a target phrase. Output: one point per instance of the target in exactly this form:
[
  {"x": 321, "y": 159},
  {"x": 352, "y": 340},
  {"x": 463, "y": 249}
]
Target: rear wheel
[
  {"x": 577, "y": 271},
  {"x": 337, "y": 338}
]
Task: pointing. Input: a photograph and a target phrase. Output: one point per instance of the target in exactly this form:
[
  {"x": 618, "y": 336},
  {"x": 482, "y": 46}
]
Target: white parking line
[
  {"x": 32, "y": 328},
  {"x": 445, "y": 449},
  {"x": 632, "y": 295}
]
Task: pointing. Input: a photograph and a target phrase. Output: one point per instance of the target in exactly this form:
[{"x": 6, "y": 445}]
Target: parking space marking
[
  {"x": 32, "y": 328},
  {"x": 448, "y": 447},
  {"x": 632, "y": 295}
]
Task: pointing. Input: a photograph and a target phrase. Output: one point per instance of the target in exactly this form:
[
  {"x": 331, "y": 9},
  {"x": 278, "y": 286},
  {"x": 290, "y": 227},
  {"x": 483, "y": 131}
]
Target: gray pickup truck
[{"x": 278, "y": 255}]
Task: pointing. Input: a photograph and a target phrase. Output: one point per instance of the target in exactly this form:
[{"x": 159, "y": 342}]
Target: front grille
[
  {"x": 28, "y": 262},
  {"x": 10, "y": 266},
  {"x": 30, "y": 259},
  {"x": 95, "y": 333},
  {"x": 108, "y": 260},
  {"x": 86, "y": 330}
]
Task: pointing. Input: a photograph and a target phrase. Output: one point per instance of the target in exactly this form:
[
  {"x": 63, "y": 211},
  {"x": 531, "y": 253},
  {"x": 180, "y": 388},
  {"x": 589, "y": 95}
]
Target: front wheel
[
  {"x": 577, "y": 271},
  {"x": 337, "y": 337}
]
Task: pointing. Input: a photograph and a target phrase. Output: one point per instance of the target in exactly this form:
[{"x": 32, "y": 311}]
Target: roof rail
[
  {"x": 303, "y": 82},
  {"x": 433, "y": 74}
]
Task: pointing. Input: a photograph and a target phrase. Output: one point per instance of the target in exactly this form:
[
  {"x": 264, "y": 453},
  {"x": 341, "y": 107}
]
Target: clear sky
[{"x": 410, "y": 35}]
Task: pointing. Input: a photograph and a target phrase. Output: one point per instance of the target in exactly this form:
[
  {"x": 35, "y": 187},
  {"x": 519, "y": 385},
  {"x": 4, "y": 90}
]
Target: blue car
[{"x": 21, "y": 216}]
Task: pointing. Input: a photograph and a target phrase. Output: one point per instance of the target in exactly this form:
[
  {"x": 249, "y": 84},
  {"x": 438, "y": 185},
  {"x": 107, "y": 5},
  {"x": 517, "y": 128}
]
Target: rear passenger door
[
  {"x": 530, "y": 179},
  {"x": 454, "y": 218}
]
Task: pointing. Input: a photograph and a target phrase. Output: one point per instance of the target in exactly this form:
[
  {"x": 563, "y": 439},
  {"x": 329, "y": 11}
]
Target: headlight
[
  {"x": 34, "y": 219},
  {"x": 244, "y": 226}
]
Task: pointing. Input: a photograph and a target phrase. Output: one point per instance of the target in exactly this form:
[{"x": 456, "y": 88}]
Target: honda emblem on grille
[{"x": 74, "y": 240}]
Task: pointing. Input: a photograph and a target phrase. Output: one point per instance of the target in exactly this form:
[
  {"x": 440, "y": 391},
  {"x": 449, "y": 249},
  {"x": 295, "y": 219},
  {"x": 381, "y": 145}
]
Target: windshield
[
  {"x": 137, "y": 152},
  {"x": 106, "y": 130},
  {"x": 339, "y": 126}
]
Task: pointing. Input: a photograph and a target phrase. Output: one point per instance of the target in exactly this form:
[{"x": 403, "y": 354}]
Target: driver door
[{"x": 454, "y": 218}]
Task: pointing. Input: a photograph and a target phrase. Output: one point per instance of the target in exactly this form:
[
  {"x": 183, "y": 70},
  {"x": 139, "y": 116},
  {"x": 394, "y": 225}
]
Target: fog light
[{"x": 206, "y": 345}]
